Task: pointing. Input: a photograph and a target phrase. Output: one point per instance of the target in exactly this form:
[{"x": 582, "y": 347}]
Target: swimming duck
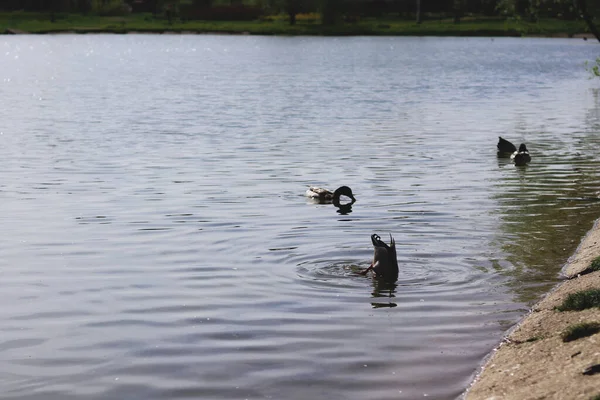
[
  {"x": 385, "y": 262},
  {"x": 324, "y": 195},
  {"x": 521, "y": 157},
  {"x": 507, "y": 149}
]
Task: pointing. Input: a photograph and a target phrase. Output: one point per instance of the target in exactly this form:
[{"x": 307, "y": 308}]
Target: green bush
[
  {"x": 581, "y": 300},
  {"x": 595, "y": 264}
]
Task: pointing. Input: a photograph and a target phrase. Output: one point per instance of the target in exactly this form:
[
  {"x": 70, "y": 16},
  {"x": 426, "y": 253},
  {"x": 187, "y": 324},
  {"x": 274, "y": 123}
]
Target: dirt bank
[{"x": 533, "y": 362}]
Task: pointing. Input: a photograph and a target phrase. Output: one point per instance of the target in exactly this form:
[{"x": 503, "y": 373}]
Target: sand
[{"x": 533, "y": 362}]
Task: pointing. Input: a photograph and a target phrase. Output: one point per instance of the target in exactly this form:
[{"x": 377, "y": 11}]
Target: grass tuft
[
  {"x": 594, "y": 265},
  {"x": 581, "y": 300},
  {"x": 579, "y": 331}
]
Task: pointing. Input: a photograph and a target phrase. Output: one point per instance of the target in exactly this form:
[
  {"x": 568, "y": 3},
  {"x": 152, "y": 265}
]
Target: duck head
[{"x": 343, "y": 191}]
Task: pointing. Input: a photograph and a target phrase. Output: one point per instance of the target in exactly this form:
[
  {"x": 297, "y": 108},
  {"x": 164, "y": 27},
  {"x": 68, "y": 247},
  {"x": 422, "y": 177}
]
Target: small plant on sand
[
  {"x": 581, "y": 300},
  {"x": 594, "y": 265},
  {"x": 579, "y": 331}
]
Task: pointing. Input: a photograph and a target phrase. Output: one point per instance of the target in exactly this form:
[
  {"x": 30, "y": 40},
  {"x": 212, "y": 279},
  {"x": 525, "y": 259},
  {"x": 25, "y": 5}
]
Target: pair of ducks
[
  {"x": 520, "y": 157},
  {"x": 385, "y": 261}
]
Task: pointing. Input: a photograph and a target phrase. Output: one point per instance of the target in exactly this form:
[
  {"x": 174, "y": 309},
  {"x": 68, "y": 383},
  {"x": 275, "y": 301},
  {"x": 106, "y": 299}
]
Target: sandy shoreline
[{"x": 533, "y": 362}]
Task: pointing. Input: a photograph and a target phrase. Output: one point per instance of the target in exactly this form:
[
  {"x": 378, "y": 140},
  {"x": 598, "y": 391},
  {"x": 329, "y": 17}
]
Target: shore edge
[
  {"x": 533, "y": 361},
  {"x": 324, "y": 32}
]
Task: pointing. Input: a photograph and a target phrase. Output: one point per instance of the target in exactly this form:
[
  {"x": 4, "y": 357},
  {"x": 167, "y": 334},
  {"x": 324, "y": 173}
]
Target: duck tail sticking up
[
  {"x": 393, "y": 249},
  {"x": 505, "y": 147},
  {"x": 385, "y": 262}
]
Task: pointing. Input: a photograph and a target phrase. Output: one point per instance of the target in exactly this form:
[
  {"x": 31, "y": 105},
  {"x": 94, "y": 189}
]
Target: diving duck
[
  {"x": 507, "y": 149},
  {"x": 324, "y": 195},
  {"x": 385, "y": 262}
]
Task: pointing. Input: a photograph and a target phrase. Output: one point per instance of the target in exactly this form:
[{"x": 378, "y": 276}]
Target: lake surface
[{"x": 156, "y": 242}]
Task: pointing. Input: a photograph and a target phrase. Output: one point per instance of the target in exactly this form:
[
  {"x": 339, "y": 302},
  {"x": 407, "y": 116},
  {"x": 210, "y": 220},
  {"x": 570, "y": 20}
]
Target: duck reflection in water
[
  {"x": 385, "y": 262},
  {"x": 343, "y": 208},
  {"x": 381, "y": 290}
]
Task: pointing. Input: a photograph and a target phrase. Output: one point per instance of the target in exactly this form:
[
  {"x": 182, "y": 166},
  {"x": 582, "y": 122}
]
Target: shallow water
[{"x": 157, "y": 243}]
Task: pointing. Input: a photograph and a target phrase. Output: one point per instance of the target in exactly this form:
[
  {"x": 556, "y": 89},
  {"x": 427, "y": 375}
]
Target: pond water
[{"x": 156, "y": 242}]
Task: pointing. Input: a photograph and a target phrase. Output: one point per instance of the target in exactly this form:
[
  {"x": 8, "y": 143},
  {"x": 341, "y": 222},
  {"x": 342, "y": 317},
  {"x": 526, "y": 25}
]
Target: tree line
[{"x": 331, "y": 11}]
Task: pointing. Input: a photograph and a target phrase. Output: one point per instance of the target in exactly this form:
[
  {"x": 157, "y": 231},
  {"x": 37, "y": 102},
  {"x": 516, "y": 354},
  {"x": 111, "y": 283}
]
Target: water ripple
[{"x": 158, "y": 244}]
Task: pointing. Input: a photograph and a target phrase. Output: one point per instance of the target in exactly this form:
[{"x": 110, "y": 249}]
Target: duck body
[
  {"x": 324, "y": 195},
  {"x": 385, "y": 261},
  {"x": 519, "y": 156}
]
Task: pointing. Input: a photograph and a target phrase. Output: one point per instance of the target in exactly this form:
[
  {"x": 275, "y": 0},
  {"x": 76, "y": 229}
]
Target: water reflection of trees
[
  {"x": 593, "y": 114},
  {"x": 545, "y": 210}
]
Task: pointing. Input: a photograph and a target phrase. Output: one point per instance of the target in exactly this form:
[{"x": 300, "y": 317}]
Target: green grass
[
  {"x": 579, "y": 331},
  {"x": 593, "y": 267},
  {"x": 40, "y": 23},
  {"x": 581, "y": 300}
]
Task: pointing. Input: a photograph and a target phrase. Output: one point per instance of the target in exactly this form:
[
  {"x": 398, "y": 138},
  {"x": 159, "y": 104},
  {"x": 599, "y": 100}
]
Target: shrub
[
  {"x": 581, "y": 300},
  {"x": 595, "y": 264},
  {"x": 593, "y": 267}
]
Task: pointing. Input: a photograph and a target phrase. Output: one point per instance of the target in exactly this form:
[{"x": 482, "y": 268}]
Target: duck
[
  {"x": 324, "y": 195},
  {"x": 385, "y": 261},
  {"x": 519, "y": 156}
]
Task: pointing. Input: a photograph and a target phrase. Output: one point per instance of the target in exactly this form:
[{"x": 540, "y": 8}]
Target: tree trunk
[
  {"x": 581, "y": 6},
  {"x": 418, "y": 11},
  {"x": 292, "y": 18}
]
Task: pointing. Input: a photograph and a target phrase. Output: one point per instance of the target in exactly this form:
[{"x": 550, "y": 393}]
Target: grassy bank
[{"x": 40, "y": 23}]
